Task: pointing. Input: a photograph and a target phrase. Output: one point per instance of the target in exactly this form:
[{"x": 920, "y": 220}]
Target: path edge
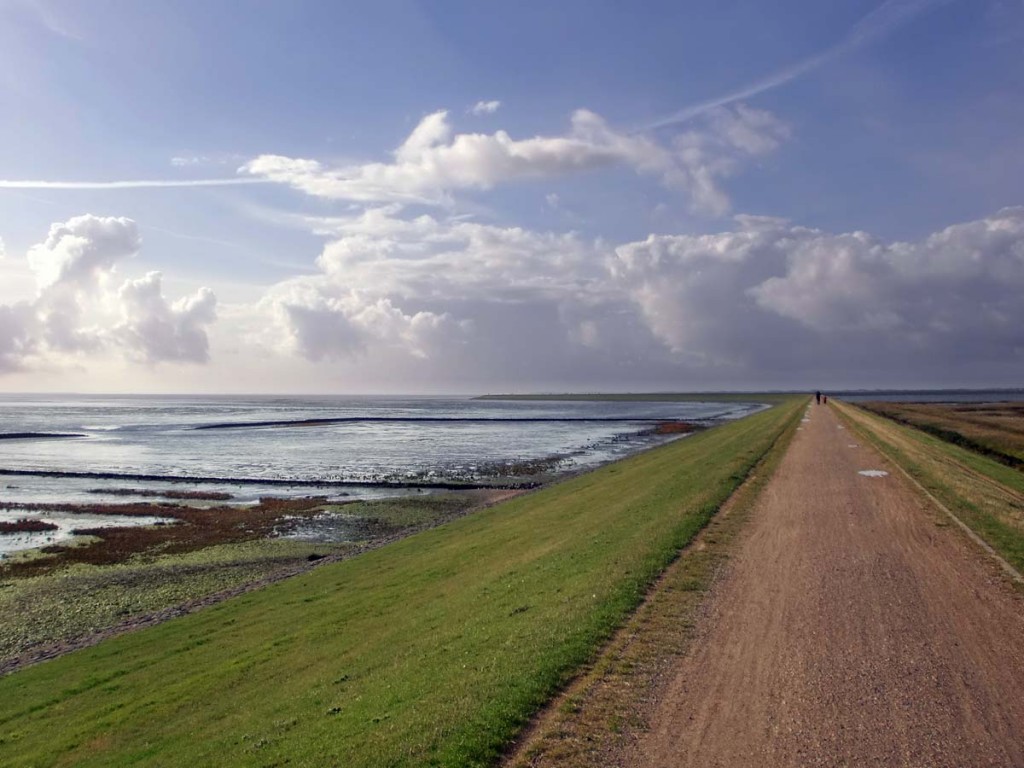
[{"x": 556, "y": 735}]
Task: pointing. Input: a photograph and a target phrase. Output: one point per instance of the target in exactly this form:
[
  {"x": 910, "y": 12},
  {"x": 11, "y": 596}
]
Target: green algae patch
[
  {"x": 402, "y": 512},
  {"x": 434, "y": 650},
  {"x": 76, "y": 601}
]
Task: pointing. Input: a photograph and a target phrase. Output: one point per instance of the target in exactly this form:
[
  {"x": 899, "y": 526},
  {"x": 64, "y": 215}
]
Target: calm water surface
[{"x": 462, "y": 439}]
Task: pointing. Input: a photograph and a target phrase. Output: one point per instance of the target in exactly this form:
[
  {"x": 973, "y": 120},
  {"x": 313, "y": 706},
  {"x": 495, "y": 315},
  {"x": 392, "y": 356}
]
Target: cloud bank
[
  {"x": 766, "y": 300},
  {"x": 425, "y": 301}
]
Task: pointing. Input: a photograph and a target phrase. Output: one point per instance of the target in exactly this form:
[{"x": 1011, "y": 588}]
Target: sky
[{"x": 248, "y": 196}]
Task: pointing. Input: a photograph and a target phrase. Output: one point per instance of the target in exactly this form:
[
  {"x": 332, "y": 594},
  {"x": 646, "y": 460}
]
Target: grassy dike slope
[{"x": 431, "y": 651}]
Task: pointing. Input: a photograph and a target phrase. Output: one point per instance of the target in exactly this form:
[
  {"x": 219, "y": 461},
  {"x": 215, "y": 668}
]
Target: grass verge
[
  {"x": 984, "y": 494},
  {"x": 595, "y": 719},
  {"x": 995, "y": 430},
  {"x": 434, "y": 650}
]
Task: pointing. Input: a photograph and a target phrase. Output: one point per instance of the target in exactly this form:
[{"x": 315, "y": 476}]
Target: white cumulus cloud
[
  {"x": 79, "y": 308},
  {"x": 81, "y": 250},
  {"x": 485, "y": 107},
  {"x": 963, "y": 281},
  {"x": 16, "y": 342},
  {"x": 158, "y": 330},
  {"x": 320, "y": 320},
  {"x": 435, "y": 162}
]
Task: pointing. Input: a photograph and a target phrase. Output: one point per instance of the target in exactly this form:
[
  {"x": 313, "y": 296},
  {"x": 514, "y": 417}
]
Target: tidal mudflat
[{"x": 127, "y": 568}]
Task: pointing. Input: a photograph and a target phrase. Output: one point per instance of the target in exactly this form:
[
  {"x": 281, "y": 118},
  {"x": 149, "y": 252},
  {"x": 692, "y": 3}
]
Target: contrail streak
[
  {"x": 880, "y": 22},
  {"x": 136, "y": 184}
]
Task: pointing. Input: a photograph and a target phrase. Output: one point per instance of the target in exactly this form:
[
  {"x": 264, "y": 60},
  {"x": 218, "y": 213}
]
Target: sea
[{"x": 81, "y": 449}]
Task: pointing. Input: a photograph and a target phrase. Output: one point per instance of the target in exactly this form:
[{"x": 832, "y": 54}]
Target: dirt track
[{"x": 855, "y": 627}]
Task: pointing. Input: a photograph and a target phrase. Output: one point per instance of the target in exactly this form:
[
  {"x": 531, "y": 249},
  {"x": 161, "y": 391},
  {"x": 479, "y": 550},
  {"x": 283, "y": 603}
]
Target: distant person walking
[
  {"x": 824, "y": 399},
  {"x": 817, "y": 397}
]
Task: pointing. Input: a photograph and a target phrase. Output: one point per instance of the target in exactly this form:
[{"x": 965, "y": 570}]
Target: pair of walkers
[{"x": 820, "y": 398}]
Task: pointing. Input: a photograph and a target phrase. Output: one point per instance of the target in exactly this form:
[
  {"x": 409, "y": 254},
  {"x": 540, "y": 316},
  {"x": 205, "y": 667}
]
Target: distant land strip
[
  {"x": 36, "y": 435},
  {"x": 432, "y": 484},
  {"x": 426, "y": 420},
  {"x": 992, "y": 395},
  {"x": 650, "y": 397}
]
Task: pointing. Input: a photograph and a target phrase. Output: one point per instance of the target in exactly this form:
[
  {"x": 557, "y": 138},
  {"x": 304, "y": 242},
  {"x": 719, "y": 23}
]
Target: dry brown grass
[{"x": 993, "y": 429}]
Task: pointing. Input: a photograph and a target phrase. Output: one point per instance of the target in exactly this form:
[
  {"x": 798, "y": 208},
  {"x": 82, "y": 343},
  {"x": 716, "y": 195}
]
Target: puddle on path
[{"x": 873, "y": 473}]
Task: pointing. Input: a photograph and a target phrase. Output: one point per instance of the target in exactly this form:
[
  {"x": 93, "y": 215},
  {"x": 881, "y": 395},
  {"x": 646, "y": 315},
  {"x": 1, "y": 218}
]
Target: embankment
[{"x": 431, "y": 651}]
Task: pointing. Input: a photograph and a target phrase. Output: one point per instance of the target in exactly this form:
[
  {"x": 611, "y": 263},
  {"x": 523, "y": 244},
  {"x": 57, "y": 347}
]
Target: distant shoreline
[
  {"x": 651, "y": 397},
  {"x": 424, "y": 420},
  {"x": 37, "y": 435}
]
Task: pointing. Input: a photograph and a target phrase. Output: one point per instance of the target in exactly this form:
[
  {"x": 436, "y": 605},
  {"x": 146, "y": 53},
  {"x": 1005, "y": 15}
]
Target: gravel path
[{"x": 855, "y": 627}]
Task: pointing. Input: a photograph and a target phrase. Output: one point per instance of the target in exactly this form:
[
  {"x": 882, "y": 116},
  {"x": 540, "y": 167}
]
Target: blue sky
[{"x": 897, "y": 119}]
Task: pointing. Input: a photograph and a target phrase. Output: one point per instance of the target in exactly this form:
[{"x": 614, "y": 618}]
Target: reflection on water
[
  {"x": 66, "y": 525},
  {"x": 151, "y": 436},
  {"x": 465, "y": 439}
]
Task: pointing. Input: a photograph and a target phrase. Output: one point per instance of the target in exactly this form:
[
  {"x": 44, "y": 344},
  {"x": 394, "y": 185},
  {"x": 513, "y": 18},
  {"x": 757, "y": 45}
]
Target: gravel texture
[{"x": 853, "y": 627}]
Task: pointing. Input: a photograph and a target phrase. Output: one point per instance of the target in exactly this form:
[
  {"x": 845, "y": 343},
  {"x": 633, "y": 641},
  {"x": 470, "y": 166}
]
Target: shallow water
[
  {"x": 66, "y": 525},
  {"x": 461, "y": 440}
]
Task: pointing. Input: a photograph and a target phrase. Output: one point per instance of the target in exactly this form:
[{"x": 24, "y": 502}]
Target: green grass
[
  {"x": 986, "y": 495},
  {"x": 600, "y": 715},
  {"x": 409, "y": 511},
  {"x": 431, "y": 651}
]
